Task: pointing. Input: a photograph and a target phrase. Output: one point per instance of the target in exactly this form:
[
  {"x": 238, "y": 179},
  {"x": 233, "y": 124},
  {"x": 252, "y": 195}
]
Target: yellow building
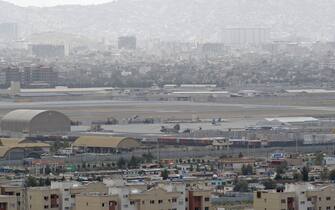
[
  {"x": 296, "y": 197},
  {"x": 8, "y": 202},
  {"x": 97, "y": 201},
  {"x": 41, "y": 198},
  {"x": 154, "y": 199},
  {"x": 18, "y": 192}
]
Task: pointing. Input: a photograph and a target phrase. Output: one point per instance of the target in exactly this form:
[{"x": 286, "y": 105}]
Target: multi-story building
[
  {"x": 39, "y": 74},
  {"x": 164, "y": 195},
  {"x": 29, "y": 76},
  {"x": 95, "y": 201},
  {"x": 111, "y": 195},
  {"x": 17, "y": 191},
  {"x": 296, "y": 197},
  {"x": 8, "y": 202},
  {"x": 8, "y": 75},
  {"x": 71, "y": 189},
  {"x": 41, "y": 198}
]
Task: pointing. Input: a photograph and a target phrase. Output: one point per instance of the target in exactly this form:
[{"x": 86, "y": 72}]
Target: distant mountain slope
[{"x": 179, "y": 19}]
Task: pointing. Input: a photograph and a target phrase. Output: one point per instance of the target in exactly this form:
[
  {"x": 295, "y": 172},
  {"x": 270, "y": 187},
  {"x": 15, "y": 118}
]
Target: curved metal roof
[
  {"x": 22, "y": 115},
  {"x": 106, "y": 142}
]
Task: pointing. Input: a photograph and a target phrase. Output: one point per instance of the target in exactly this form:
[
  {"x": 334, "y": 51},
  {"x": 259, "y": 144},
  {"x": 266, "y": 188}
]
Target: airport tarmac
[{"x": 233, "y": 109}]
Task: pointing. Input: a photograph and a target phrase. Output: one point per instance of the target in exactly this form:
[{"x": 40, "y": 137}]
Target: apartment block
[
  {"x": 296, "y": 197},
  {"x": 42, "y": 198},
  {"x": 16, "y": 191},
  {"x": 8, "y": 202},
  {"x": 97, "y": 201}
]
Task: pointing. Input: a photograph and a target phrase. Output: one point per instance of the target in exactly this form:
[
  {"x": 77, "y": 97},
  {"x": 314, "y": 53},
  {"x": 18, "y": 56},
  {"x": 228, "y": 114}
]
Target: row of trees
[{"x": 134, "y": 161}]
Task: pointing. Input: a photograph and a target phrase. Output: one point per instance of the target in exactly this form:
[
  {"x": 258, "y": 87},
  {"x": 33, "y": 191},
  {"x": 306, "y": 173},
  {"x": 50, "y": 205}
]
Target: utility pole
[{"x": 158, "y": 152}]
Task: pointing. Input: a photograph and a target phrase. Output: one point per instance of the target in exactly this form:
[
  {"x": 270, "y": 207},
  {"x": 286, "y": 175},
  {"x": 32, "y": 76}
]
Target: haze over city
[
  {"x": 167, "y": 105},
  {"x": 50, "y": 3}
]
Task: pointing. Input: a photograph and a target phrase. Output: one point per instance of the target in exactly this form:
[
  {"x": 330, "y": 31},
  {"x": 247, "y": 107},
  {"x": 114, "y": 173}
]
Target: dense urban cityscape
[{"x": 149, "y": 106}]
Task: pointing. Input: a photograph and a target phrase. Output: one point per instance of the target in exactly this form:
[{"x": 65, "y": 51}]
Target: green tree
[
  {"x": 332, "y": 175},
  {"x": 31, "y": 182},
  {"x": 48, "y": 182},
  {"x": 134, "y": 162},
  {"x": 47, "y": 170},
  {"x": 247, "y": 169},
  {"x": 41, "y": 181},
  {"x": 304, "y": 173},
  {"x": 269, "y": 184},
  {"x": 324, "y": 175},
  {"x": 241, "y": 186},
  {"x": 165, "y": 174},
  {"x": 148, "y": 157},
  {"x": 122, "y": 163},
  {"x": 297, "y": 176},
  {"x": 319, "y": 159}
]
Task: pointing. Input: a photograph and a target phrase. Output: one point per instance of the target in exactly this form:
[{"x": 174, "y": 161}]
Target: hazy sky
[{"x": 46, "y": 3}]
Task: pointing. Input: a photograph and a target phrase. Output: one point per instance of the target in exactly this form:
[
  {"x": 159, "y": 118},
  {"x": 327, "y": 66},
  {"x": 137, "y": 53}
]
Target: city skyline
[{"x": 51, "y": 3}]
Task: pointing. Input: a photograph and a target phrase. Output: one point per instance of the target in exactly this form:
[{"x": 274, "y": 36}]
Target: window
[
  {"x": 66, "y": 199},
  {"x": 160, "y": 201},
  {"x": 328, "y": 208},
  {"x": 302, "y": 202},
  {"x": 152, "y": 202},
  {"x": 206, "y": 208},
  {"x": 73, "y": 196},
  {"x": 206, "y": 199},
  {"x": 259, "y": 195},
  {"x": 283, "y": 201},
  {"x": 320, "y": 199},
  {"x": 46, "y": 198},
  {"x": 132, "y": 202},
  {"x": 46, "y": 206},
  {"x": 309, "y": 199},
  {"x": 174, "y": 200},
  {"x": 103, "y": 204},
  {"x": 328, "y": 198}
]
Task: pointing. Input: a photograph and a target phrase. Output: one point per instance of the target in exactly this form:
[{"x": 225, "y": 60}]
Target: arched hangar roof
[
  {"x": 26, "y": 115},
  {"x": 35, "y": 121},
  {"x": 107, "y": 142}
]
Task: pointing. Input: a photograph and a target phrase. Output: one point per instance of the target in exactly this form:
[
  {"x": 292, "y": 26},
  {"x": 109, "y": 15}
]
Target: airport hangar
[{"x": 35, "y": 122}]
